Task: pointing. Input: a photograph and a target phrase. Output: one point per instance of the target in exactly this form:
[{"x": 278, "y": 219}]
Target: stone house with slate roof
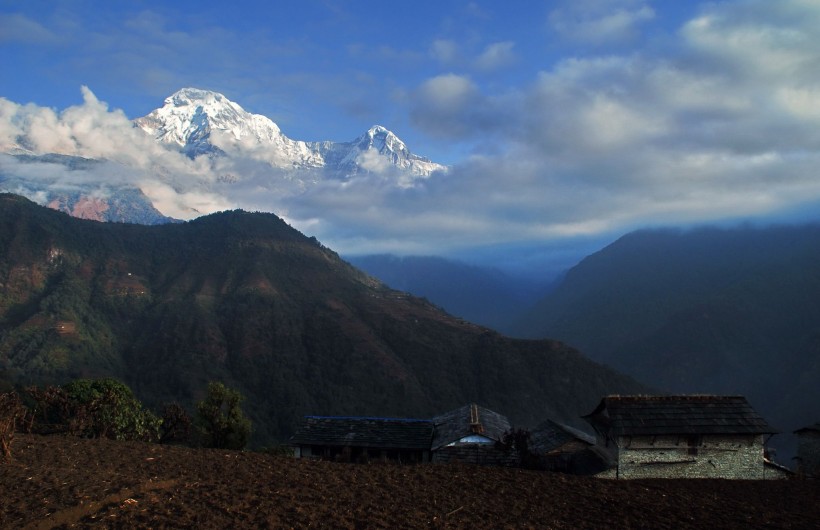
[
  {"x": 694, "y": 436},
  {"x": 360, "y": 438},
  {"x": 808, "y": 451}
]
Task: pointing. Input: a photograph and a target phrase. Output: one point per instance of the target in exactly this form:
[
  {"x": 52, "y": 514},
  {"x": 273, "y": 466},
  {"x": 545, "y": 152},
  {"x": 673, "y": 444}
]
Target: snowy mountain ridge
[{"x": 204, "y": 122}]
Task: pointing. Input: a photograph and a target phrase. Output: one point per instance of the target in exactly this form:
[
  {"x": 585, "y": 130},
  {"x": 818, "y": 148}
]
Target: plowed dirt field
[{"x": 59, "y": 482}]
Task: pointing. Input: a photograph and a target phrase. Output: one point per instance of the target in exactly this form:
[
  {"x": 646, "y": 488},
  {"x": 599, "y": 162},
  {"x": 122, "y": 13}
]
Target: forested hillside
[{"x": 245, "y": 299}]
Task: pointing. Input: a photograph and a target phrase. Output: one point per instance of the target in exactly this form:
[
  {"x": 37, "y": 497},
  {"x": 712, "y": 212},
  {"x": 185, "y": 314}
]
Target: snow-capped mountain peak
[
  {"x": 190, "y": 116},
  {"x": 381, "y": 139},
  {"x": 388, "y": 145},
  {"x": 197, "y": 96},
  {"x": 204, "y": 122}
]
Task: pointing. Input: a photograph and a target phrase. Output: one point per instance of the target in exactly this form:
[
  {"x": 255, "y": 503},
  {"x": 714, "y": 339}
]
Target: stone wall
[
  {"x": 808, "y": 453},
  {"x": 708, "y": 456}
]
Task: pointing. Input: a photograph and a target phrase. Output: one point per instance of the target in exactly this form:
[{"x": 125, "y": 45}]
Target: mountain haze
[
  {"x": 481, "y": 295},
  {"x": 245, "y": 299}
]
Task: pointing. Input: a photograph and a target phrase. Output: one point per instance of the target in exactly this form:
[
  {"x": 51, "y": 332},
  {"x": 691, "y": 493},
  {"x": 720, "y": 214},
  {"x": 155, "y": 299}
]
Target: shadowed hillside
[
  {"x": 708, "y": 310},
  {"x": 245, "y": 299}
]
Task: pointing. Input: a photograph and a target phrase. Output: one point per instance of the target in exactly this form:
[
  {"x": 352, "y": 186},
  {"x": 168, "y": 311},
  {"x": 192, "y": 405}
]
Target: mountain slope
[
  {"x": 245, "y": 299},
  {"x": 709, "y": 310}
]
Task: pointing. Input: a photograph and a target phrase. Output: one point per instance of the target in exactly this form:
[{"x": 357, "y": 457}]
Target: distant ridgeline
[{"x": 245, "y": 299}]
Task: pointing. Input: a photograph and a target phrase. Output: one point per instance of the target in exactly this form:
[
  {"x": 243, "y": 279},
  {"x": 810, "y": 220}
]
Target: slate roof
[
  {"x": 686, "y": 415},
  {"x": 377, "y": 433},
  {"x": 468, "y": 420},
  {"x": 551, "y": 435}
]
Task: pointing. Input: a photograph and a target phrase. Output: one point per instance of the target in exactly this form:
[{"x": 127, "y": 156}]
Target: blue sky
[
  {"x": 320, "y": 69},
  {"x": 563, "y": 121}
]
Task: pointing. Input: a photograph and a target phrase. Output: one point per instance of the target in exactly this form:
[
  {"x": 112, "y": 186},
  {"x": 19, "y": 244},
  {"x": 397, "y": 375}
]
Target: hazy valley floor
[{"x": 58, "y": 482}]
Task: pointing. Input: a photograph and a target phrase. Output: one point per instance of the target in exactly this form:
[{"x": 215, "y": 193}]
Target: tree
[
  {"x": 109, "y": 409},
  {"x": 220, "y": 419}
]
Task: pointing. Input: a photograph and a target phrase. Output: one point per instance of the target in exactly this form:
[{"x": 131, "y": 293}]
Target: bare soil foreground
[{"x": 57, "y": 482}]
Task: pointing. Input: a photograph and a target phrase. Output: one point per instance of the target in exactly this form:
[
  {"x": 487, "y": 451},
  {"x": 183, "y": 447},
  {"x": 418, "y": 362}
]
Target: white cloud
[
  {"x": 444, "y": 50},
  {"x": 129, "y": 156},
  {"x": 448, "y": 91},
  {"x": 370, "y": 160},
  {"x": 183, "y": 204},
  {"x": 760, "y": 40},
  {"x": 15, "y": 27},
  {"x": 452, "y": 106},
  {"x": 495, "y": 56},
  {"x": 600, "y": 22}
]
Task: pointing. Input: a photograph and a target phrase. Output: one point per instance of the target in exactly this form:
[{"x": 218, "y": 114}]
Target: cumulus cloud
[
  {"x": 452, "y": 106},
  {"x": 496, "y": 55},
  {"x": 759, "y": 40},
  {"x": 444, "y": 51},
  {"x": 88, "y": 130},
  {"x": 120, "y": 154},
  {"x": 600, "y": 22}
]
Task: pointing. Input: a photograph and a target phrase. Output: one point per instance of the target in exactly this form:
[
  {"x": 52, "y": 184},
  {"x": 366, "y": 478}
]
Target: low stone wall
[{"x": 728, "y": 457}]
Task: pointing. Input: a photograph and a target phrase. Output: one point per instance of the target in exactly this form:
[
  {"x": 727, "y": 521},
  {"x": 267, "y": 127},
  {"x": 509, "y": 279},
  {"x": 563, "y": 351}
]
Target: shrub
[
  {"x": 51, "y": 411},
  {"x": 176, "y": 425},
  {"x": 220, "y": 420},
  {"x": 106, "y": 408}
]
